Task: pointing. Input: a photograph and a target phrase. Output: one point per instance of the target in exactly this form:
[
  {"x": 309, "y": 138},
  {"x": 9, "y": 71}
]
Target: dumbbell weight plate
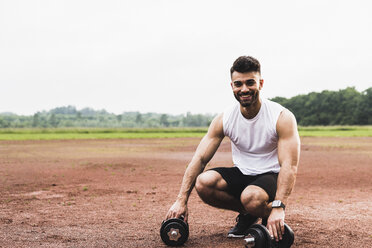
[
  {"x": 288, "y": 237},
  {"x": 174, "y": 232},
  {"x": 261, "y": 236}
]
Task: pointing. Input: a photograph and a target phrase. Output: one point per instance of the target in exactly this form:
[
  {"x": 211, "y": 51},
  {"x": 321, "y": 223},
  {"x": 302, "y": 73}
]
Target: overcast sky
[{"x": 174, "y": 56}]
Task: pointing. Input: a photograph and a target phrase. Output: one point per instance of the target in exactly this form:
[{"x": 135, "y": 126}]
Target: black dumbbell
[
  {"x": 174, "y": 232},
  {"x": 259, "y": 237}
]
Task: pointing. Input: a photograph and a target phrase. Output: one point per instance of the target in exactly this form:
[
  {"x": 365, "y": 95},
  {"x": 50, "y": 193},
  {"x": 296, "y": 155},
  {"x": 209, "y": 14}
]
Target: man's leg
[
  {"x": 257, "y": 197},
  {"x": 254, "y": 198},
  {"x": 255, "y": 201},
  {"x": 212, "y": 189}
]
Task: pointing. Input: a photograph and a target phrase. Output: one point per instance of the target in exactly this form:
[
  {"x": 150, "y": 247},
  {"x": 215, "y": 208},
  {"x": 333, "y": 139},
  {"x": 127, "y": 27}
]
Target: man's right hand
[{"x": 177, "y": 210}]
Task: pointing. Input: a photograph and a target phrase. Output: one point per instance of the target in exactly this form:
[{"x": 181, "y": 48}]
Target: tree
[
  {"x": 4, "y": 123},
  {"x": 53, "y": 120},
  {"x": 164, "y": 120},
  {"x": 36, "y": 120},
  {"x": 139, "y": 118}
]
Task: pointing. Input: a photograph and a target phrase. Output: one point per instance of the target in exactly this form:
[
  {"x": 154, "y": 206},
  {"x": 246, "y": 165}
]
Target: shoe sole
[{"x": 230, "y": 235}]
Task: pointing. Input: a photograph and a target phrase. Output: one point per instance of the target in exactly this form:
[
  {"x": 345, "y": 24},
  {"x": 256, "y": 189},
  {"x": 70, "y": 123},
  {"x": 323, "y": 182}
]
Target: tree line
[
  {"x": 69, "y": 116},
  {"x": 343, "y": 107}
]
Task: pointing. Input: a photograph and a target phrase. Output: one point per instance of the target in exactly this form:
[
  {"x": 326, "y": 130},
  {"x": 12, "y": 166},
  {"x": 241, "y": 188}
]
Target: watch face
[{"x": 276, "y": 203}]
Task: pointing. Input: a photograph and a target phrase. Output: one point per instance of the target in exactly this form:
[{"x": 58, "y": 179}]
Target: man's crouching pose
[{"x": 265, "y": 150}]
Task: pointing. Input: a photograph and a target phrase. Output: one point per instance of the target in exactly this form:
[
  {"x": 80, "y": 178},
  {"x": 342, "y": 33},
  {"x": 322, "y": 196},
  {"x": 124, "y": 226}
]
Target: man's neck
[{"x": 251, "y": 111}]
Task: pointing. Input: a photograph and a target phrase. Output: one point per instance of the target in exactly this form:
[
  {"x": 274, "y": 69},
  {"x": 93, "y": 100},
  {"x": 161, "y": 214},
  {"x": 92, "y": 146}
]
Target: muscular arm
[
  {"x": 203, "y": 154},
  {"x": 288, "y": 155}
]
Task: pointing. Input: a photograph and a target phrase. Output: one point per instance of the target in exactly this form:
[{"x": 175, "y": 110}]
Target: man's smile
[{"x": 246, "y": 96}]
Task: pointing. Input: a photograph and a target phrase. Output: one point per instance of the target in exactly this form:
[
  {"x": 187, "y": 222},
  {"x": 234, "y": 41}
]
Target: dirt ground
[{"x": 115, "y": 193}]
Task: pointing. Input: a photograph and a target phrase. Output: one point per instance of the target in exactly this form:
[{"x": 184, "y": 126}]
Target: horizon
[{"x": 173, "y": 114}]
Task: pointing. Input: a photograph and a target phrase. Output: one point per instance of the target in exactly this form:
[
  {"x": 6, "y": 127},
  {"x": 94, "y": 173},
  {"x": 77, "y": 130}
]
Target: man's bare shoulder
[
  {"x": 286, "y": 123},
  {"x": 216, "y": 127},
  {"x": 286, "y": 115}
]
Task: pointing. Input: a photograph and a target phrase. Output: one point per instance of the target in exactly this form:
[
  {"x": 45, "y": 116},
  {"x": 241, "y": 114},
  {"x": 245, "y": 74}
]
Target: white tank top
[{"x": 254, "y": 142}]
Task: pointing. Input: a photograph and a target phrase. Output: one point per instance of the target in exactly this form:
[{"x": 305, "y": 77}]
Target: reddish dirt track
[{"x": 115, "y": 193}]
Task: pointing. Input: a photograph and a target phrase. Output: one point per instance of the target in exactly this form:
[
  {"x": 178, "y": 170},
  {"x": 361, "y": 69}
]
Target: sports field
[{"x": 114, "y": 191}]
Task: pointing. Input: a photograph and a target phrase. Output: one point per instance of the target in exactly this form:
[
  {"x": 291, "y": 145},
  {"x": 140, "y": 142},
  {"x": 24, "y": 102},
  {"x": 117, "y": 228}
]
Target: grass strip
[
  {"x": 152, "y": 133},
  {"x": 121, "y": 135},
  {"x": 336, "y": 131},
  {"x": 100, "y": 130}
]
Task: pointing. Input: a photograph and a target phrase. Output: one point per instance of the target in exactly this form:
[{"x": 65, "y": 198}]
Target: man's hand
[
  {"x": 177, "y": 210},
  {"x": 275, "y": 223}
]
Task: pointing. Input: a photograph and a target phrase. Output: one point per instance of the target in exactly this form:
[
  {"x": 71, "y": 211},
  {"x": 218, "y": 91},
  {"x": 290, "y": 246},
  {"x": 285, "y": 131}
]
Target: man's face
[{"x": 246, "y": 87}]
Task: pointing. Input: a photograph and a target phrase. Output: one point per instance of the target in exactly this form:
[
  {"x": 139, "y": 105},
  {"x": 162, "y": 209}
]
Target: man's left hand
[{"x": 275, "y": 223}]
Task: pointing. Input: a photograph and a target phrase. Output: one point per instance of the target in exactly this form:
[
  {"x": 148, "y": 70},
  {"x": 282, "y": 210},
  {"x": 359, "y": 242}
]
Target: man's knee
[
  {"x": 203, "y": 181},
  {"x": 206, "y": 182},
  {"x": 254, "y": 199}
]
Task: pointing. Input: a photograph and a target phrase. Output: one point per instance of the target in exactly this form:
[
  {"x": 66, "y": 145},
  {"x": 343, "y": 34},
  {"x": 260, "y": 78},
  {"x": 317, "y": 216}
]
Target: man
[{"x": 265, "y": 150}]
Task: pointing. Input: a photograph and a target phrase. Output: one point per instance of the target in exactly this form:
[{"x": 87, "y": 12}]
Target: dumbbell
[
  {"x": 259, "y": 237},
  {"x": 174, "y": 232}
]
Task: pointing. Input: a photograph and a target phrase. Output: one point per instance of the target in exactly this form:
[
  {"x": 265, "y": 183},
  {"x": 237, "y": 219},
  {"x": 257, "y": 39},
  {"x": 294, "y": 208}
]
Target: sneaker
[{"x": 243, "y": 222}]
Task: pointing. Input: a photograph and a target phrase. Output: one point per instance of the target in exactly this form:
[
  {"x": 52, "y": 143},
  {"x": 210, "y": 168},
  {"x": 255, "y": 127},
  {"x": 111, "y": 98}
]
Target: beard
[{"x": 247, "y": 102}]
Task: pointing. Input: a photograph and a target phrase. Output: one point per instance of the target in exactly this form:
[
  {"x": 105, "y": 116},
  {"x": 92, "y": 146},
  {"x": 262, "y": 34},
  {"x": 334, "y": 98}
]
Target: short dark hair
[{"x": 245, "y": 64}]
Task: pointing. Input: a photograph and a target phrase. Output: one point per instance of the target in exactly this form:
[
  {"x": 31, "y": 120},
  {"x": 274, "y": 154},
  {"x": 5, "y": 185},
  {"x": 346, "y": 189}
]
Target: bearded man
[{"x": 265, "y": 151}]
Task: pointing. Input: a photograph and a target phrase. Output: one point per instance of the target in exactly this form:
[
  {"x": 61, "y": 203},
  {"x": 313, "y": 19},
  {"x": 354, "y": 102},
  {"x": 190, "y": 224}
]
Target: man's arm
[
  {"x": 203, "y": 154},
  {"x": 288, "y": 155}
]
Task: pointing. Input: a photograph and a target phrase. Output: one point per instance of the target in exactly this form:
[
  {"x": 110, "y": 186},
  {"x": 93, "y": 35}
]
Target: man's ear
[
  {"x": 261, "y": 83},
  {"x": 231, "y": 85}
]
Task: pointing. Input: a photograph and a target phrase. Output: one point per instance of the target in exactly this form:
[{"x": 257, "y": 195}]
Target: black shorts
[{"x": 237, "y": 181}]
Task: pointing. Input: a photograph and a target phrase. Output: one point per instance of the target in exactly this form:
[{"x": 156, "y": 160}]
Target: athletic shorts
[{"x": 237, "y": 181}]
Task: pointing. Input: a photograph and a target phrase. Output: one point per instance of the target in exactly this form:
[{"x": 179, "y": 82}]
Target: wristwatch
[{"x": 278, "y": 204}]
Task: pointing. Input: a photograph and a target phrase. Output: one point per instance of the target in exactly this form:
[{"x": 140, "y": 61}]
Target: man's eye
[
  {"x": 238, "y": 83},
  {"x": 250, "y": 82}
]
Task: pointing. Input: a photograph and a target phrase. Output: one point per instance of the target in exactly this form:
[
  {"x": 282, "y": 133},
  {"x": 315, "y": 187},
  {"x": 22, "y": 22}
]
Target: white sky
[{"x": 174, "y": 56}]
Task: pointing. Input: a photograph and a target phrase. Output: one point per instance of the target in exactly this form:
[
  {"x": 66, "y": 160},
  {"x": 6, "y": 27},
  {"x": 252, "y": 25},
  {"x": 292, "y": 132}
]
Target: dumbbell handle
[{"x": 249, "y": 242}]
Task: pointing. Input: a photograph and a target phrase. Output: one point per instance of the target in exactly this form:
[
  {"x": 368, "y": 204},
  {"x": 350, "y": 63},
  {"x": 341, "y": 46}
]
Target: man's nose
[{"x": 245, "y": 88}]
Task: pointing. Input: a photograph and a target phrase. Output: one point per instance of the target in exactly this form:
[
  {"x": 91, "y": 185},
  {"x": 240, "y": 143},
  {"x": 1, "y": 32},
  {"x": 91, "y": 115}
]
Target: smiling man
[{"x": 265, "y": 150}]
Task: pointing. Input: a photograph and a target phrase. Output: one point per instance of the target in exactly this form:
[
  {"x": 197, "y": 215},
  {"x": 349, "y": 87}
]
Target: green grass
[
  {"x": 336, "y": 131},
  {"x": 137, "y": 133},
  {"x": 99, "y": 133}
]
